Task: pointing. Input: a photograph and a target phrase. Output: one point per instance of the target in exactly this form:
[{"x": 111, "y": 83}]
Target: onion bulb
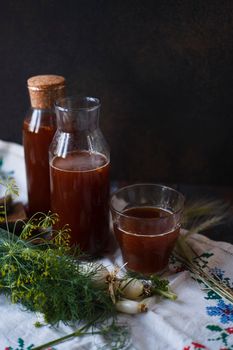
[
  {"x": 130, "y": 306},
  {"x": 99, "y": 273},
  {"x": 131, "y": 288},
  {"x": 100, "y": 277}
]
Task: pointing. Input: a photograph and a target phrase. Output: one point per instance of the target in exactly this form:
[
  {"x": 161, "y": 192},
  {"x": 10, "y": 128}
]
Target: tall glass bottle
[
  {"x": 79, "y": 173},
  {"x": 39, "y": 127}
]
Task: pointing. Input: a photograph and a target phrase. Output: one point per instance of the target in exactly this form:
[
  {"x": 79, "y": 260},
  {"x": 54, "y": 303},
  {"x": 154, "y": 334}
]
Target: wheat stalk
[
  {"x": 204, "y": 214},
  {"x": 209, "y": 279}
]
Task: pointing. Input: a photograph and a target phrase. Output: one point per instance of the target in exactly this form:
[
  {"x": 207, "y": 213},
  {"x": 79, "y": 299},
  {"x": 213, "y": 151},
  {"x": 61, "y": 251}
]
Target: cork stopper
[{"x": 44, "y": 90}]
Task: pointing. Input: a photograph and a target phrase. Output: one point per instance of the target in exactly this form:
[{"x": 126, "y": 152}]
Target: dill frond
[
  {"x": 10, "y": 185},
  {"x": 44, "y": 276},
  {"x": 62, "y": 237},
  {"x": 2, "y": 213},
  {"x": 50, "y": 282},
  {"x": 47, "y": 220},
  {"x": 116, "y": 336}
]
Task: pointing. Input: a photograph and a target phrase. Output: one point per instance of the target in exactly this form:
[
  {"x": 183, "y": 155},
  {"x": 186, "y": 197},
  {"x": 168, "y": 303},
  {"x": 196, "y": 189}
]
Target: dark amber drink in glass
[
  {"x": 38, "y": 132},
  {"x": 39, "y": 127},
  {"x": 80, "y": 195},
  {"x": 146, "y": 220},
  {"x": 79, "y": 173}
]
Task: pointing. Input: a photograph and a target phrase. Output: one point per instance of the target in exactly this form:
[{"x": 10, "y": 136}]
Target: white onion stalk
[
  {"x": 130, "y": 306},
  {"x": 131, "y": 288},
  {"x": 149, "y": 302}
]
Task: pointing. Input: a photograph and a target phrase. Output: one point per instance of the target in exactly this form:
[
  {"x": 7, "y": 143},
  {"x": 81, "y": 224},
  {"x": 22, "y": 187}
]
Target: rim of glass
[
  {"x": 147, "y": 184},
  {"x": 71, "y": 103},
  {"x": 148, "y": 236}
]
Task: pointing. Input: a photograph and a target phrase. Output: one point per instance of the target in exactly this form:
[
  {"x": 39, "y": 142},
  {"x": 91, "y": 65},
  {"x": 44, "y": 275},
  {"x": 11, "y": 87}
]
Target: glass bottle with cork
[{"x": 39, "y": 127}]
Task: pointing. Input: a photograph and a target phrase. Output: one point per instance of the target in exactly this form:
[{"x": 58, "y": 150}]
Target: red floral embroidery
[
  {"x": 229, "y": 330},
  {"x": 195, "y": 345},
  {"x": 198, "y": 346}
]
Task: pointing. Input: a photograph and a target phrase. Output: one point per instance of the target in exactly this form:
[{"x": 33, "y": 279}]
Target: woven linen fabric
[{"x": 198, "y": 319}]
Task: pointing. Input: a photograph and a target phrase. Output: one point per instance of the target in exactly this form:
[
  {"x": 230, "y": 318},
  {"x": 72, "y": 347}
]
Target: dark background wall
[{"x": 163, "y": 70}]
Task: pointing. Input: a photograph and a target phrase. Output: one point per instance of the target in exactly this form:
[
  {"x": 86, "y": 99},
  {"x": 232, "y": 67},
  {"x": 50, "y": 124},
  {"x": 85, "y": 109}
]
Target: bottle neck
[{"x": 77, "y": 115}]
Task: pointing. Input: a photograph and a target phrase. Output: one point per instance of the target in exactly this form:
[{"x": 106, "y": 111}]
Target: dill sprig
[
  {"x": 10, "y": 185},
  {"x": 46, "y": 279},
  {"x": 11, "y": 190},
  {"x": 115, "y": 336},
  {"x": 38, "y": 270}
]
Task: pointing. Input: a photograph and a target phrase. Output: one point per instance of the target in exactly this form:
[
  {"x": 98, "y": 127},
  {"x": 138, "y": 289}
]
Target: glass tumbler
[{"x": 146, "y": 222}]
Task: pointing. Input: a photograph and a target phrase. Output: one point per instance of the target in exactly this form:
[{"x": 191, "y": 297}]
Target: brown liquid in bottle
[
  {"x": 37, "y": 136},
  {"x": 39, "y": 127},
  {"x": 146, "y": 244},
  {"x": 80, "y": 195}
]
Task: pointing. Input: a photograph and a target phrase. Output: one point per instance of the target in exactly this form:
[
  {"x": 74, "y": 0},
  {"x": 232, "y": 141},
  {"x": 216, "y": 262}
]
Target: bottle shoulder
[
  {"x": 64, "y": 144},
  {"x": 37, "y": 119}
]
